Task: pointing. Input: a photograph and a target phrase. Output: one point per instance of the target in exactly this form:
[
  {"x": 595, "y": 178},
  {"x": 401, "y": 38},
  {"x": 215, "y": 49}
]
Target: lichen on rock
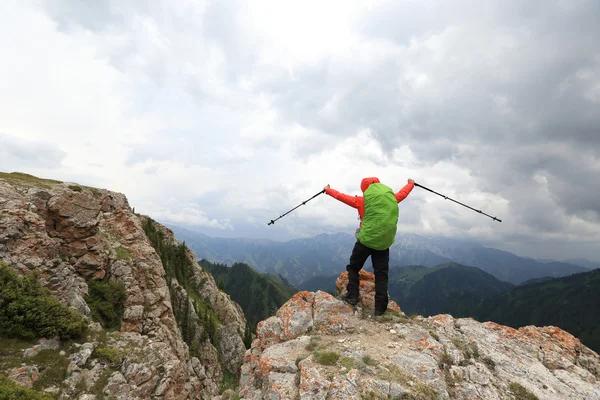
[{"x": 398, "y": 357}]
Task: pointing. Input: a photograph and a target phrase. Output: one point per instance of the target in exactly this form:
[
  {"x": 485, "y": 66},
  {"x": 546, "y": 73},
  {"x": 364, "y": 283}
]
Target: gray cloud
[
  {"x": 94, "y": 15},
  {"x": 506, "y": 90},
  {"x": 16, "y": 153},
  {"x": 511, "y": 81}
]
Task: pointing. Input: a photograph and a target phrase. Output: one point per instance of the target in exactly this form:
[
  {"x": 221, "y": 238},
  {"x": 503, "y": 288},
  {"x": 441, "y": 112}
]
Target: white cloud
[
  {"x": 192, "y": 216},
  {"x": 225, "y": 114}
]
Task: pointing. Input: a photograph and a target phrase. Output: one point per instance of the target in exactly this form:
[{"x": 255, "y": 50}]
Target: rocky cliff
[
  {"x": 178, "y": 335},
  {"x": 317, "y": 347}
]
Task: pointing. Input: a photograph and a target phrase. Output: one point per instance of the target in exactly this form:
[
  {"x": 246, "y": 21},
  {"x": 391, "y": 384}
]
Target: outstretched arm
[
  {"x": 401, "y": 195},
  {"x": 352, "y": 201}
]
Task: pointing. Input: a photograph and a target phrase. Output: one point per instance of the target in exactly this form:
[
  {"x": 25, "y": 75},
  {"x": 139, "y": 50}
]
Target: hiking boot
[
  {"x": 377, "y": 313},
  {"x": 349, "y": 299}
]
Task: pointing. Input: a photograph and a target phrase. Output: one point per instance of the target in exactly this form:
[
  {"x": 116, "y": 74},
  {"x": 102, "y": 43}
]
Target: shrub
[
  {"x": 371, "y": 395},
  {"x": 474, "y": 350},
  {"x": 123, "y": 253},
  {"x": 52, "y": 367},
  {"x": 368, "y": 360},
  {"x": 327, "y": 357},
  {"x": 105, "y": 299},
  {"x": 426, "y": 392},
  {"x": 178, "y": 265},
  {"x": 248, "y": 335},
  {"x": 28, "y": 310},
  {"x": 521, "y": 393},
  {"x": 446, "y": 361},
  {"x": 347, "y": 362},
  {"x": 10, "y": 390},
  {"x": 75, "y": 188},
  {"x": 229, "y": 381},
  {"x": 111, "y": 356}
]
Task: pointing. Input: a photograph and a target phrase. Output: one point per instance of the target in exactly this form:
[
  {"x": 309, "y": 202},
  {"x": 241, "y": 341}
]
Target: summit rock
[{"x": 318, "y": 347}]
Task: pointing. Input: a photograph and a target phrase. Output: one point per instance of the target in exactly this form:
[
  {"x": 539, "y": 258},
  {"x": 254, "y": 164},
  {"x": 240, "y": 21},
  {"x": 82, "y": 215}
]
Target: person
[{"x": 378, "y": 214}]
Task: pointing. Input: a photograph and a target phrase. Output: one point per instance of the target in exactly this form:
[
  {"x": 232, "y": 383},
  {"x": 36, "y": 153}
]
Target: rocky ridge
[
  {"x": 71, "y": 235},
  {"x": 318, "y": 347}
]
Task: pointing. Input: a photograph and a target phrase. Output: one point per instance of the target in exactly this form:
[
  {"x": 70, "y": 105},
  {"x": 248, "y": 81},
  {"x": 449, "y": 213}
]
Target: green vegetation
[
  {"x": 26, "y": 180},
  {"x": 9, "y": 390},
  {"x": 521, "y": 393},
  {"x": 571, "y": 303},
  {"x": 347, "y": 362},
  {"x": 11, "y": 352},
  {"x": 207, "y": 318},
  {"x": 446, "y": 361},
  {"x": 75, "y": 188},
  {"x": 451, "y": 288},
  {"x": 180, "y": 267},
  {"x": 389, "y": 316},
  {"x": 368, "y": 360},
  {"x": 174, "y": 257},
  {"x": 371, "y": 395},
  {"x": 108, "y": 355},
  {"x": 229, "y": 381},
  {"x": 424, "y": 392},
  {"x": 101, "y": 383},
  {"x": 52, "y": 367},
  {"x": 23, "y": 180},
  {"x": 123, "y": 253},
  {"x": 105, "y": 299},
  {"x": 28, "y": 310},
  {"x": 248, "y": 336},
  {"x": 474, "y": 350},
  {"x": 327, "y": 357},
  {"x": 259, "y": 295}
]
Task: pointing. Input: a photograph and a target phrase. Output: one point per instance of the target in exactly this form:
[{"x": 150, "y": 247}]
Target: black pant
[{"x": 380, "y": 259}]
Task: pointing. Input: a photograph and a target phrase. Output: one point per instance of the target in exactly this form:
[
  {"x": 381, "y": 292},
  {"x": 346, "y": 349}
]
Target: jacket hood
[{"x": 364, "y": 184}]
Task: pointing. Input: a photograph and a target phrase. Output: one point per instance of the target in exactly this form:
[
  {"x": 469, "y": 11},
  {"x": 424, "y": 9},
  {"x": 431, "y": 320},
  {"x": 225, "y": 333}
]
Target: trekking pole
[
  {"x": 301, "y": 204},
  {"x": 448, "y": 198}
]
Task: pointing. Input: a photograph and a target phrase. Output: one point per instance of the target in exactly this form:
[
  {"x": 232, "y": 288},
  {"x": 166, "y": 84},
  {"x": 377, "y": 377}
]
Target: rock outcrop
[
  {"x": 317, "y": 347},
  {"x": 72, "y": 235},
  {"x": 366, "y": 290}
]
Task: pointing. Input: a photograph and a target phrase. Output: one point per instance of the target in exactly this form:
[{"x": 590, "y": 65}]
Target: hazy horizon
[{"x": 282, "y": 240}]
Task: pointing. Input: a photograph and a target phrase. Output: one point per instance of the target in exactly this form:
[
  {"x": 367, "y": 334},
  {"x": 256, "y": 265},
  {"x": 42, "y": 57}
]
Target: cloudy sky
[{"x": 222, "y": 115}]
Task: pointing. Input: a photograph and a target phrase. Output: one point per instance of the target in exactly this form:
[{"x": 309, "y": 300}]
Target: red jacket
[{"x": 358, "y": 202}]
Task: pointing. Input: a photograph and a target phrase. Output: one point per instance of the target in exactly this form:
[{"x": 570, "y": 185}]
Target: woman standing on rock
[{"x": 378, "y": 213}]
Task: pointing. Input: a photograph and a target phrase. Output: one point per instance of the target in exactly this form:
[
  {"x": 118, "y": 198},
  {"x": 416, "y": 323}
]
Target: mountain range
[
  {"x": 444, "y": 289},
  {"x": 300, "y": 260}
]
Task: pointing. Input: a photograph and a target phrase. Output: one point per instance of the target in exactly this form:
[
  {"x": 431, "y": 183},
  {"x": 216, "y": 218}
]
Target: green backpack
[{"x": 380, "y": 221}]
